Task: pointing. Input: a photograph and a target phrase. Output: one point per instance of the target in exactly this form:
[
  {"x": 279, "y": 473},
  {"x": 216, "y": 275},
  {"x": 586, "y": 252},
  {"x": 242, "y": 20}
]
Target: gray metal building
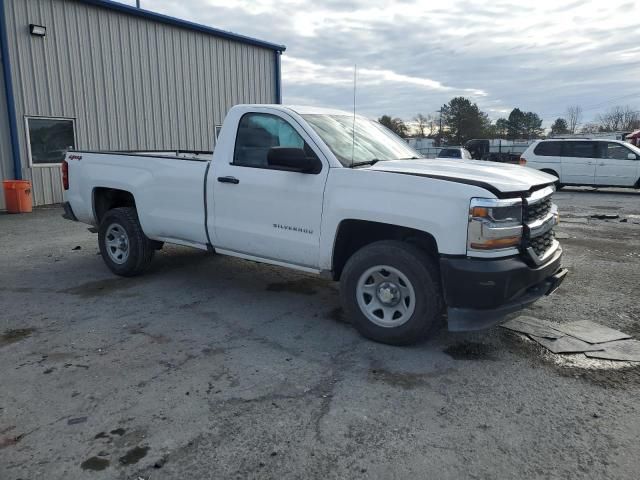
[{"x": 100, "y": 75}]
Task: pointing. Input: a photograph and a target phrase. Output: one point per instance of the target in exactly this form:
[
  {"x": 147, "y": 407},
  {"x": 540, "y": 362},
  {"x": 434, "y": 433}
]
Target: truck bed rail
[{"x": 194, "y": 155}]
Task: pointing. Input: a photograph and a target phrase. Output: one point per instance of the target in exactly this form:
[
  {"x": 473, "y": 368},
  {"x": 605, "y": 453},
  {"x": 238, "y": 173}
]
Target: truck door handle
[{"x": 233, "y": 180}]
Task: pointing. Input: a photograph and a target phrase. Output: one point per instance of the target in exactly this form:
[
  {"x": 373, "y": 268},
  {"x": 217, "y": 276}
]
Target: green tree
[
  {"x": 396, "y": 125},
  {"x": 532, "y": 125},
  {"x": 502, "y": 127},
  {"x": 559, "y": 127},
  {"x": 523, "y": 125},
  {"x": 515, "y": 125},
  {"x": 463, "y": 121}
]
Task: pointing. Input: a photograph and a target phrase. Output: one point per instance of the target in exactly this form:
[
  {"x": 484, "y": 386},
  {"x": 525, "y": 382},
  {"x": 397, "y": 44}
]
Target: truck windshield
[{"x": 372, "y": 142}]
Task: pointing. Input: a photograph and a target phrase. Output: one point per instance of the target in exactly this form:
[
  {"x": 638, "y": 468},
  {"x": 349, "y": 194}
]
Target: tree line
[
  {"x": 461, "y": 120},
  {"x": 616, "y": 119}
]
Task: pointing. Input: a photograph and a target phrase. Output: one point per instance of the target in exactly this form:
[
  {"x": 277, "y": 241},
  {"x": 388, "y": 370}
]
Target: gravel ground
[{"x": 212, "y": 367}]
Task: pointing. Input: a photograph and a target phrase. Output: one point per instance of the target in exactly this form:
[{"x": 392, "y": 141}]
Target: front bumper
[{"x": 480, "y": 293}]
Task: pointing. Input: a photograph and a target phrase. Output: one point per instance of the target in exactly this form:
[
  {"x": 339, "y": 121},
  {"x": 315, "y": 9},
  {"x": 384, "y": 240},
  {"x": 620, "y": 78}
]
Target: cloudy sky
[{"x": 413, "y": 55}]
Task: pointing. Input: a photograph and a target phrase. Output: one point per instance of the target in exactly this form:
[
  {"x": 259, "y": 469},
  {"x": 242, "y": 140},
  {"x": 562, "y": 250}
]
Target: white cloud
[
  {"x": 414, "y": 55},
  {"x": 299, "y": 71}
]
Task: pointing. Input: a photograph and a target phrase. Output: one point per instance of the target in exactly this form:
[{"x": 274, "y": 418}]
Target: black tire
[
  {"x": 421, "y": 271},
  {"x": 140, "y": 249}
]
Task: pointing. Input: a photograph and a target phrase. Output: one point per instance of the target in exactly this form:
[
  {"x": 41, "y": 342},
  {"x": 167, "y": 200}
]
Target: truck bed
[{"x": 168, "y": 187}]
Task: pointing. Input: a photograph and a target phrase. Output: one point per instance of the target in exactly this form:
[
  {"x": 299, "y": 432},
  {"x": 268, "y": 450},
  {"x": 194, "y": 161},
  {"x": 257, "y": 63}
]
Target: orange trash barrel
[{"x": 17, "y": 196}]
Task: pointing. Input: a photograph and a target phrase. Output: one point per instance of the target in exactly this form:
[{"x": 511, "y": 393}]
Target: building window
[{"x": 49, "y": 139}]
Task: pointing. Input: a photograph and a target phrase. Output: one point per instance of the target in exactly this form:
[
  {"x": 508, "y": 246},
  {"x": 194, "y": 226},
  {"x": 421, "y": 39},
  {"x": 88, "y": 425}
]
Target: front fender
[{"x": 437, "y": 207}]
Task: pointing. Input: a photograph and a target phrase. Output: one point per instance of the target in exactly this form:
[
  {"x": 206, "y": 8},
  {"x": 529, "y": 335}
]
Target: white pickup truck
[{"x": 318, "y": 190}]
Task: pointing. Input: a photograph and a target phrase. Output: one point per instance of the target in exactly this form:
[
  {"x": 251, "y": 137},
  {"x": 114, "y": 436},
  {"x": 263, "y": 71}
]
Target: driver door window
[
  {"x": 257, "y": 133},
  {"x": 615, "y": 151}
]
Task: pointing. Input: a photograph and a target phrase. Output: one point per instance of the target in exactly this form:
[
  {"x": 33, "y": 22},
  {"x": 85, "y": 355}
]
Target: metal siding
[
  {"x": 129, "y": 82},
  {"x": 6, "y": 160}
]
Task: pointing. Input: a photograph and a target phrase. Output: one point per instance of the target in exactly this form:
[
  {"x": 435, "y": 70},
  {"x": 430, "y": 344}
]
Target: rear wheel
[
  {"x": 123, "y": 245},
  {"x": 391, "y": 291}
]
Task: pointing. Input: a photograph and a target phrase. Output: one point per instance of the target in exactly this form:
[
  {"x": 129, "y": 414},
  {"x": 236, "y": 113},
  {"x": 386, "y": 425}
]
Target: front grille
[
  {"x": 534, "y": 214},
  {"x": 542, "y": 243},
  {"x": 537, "y": 210}
]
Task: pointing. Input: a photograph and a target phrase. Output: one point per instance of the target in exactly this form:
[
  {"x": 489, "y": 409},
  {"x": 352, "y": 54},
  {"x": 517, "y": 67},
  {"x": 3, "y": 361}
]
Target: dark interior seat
[{"x": 252, "y": 146}]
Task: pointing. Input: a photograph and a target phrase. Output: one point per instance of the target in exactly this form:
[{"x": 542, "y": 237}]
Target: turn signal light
[
  {"x": 479, "y": 212},
  {"x": 523, "y": 161},
  {"x": 497, "y": 243}
]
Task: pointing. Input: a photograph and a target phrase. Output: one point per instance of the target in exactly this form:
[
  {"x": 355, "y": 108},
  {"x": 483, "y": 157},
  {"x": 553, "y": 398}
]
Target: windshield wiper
[{"x": 373, "y": 161}]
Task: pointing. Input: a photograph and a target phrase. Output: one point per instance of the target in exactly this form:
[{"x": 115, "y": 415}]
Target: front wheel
[
  {"x": 391, "y": 291},
  {"x": 123, "y": 245}
]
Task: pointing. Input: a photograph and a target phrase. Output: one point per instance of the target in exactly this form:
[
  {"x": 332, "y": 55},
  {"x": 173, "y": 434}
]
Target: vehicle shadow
[{"x": 602, "y": 191}]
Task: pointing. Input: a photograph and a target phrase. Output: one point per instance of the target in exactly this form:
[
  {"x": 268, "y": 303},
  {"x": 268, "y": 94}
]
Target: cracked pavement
[{"x": 213, "y": 367}]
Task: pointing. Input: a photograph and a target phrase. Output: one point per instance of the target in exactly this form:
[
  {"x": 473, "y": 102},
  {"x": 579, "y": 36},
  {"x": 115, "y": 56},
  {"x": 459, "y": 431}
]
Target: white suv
[{"x": 609, "y": 163}]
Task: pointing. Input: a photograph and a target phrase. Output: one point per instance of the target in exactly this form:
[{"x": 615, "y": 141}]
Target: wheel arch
[
  {"x": 551, "y": 171},
  {"x": 353, "y": 234},
  {"x": 107, "y": 198}
]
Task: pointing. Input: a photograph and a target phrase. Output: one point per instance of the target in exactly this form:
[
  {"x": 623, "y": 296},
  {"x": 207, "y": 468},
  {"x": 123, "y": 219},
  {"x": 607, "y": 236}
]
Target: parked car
[
  {"x": 408, "y": 238},
  {"x": 454, "y": 152},
  {"x": 598, "y": 162}
]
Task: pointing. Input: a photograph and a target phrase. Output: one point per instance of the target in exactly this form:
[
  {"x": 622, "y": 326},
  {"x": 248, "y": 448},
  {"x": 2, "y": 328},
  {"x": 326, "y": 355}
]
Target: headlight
[{"x": 494, "y": 224}]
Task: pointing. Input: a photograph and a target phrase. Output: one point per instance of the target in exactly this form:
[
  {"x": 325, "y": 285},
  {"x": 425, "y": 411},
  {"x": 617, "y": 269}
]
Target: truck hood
[{"x": 502, "y": 179}]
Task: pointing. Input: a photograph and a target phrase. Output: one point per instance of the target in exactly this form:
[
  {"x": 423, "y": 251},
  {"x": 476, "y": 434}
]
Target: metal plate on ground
[
  {"x": 533, "y": 326},
  {"x": 591, "y": 332},
  {"x": 625, "y": 350},
  {"x": 566, "y": 344}
]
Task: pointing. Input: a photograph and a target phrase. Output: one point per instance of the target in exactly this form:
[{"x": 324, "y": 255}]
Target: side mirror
[
  {"x": 632, "y": 156},
  {"x": 293, "y": 159}
]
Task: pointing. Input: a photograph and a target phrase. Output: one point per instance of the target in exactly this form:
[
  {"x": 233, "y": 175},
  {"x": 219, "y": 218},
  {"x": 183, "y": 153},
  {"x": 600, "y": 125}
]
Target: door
[
  {"x": 263, "y": 211},
  {"x": 579, "y": 162},
  {"x": 617, "y": 165}
]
